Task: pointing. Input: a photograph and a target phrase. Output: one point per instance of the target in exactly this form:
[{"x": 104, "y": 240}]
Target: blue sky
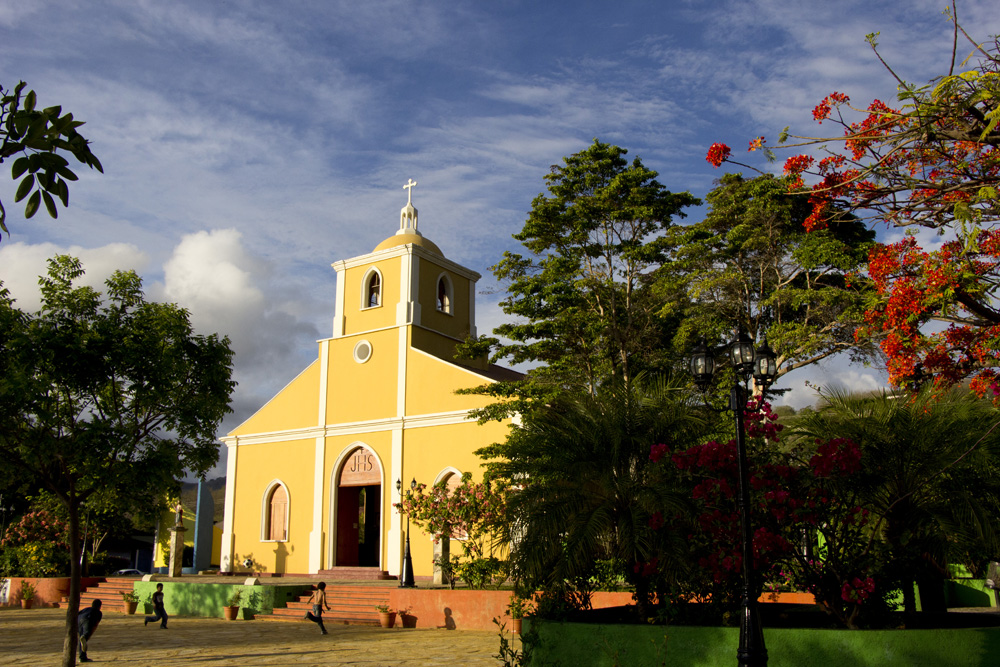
[{"x": 247, "y": 145}]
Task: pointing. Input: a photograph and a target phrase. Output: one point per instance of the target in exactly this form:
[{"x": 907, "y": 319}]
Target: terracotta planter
[
  {"x": 129, "y": 607},
  {"x": 26, "y": 604},
  {"x": 387, "y": 618},
  {"x": 515, "y": 626},
  {"x": 408, "y": 620},
  {"x": 230, "y": 613}
]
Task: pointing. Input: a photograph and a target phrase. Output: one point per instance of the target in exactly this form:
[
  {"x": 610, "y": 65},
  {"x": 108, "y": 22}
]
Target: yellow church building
[{"x": 312, "y": 475}]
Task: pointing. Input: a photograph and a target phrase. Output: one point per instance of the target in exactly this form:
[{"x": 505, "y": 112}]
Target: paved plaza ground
[{"x": 35, "y": 637}]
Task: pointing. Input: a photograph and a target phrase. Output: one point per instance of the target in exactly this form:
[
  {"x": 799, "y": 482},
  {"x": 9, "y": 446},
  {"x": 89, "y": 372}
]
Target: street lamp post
[
  {"x": 761, "y": 365},
  {"x": 406, "y": 581}
]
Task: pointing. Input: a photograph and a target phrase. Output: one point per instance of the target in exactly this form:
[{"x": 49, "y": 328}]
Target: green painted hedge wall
[{"x": 573, "y": 644}]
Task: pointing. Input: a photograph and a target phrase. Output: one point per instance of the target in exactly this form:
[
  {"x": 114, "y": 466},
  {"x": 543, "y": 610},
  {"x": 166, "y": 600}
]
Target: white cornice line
[
  {"x": 400, "y": 250},
  {"x": 353, "y": 428},
  {"x": 391, "y": 327}
]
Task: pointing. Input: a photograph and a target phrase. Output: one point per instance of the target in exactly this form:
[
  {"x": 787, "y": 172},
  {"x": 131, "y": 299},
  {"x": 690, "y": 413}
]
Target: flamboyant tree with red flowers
[{"x": 929, "y": 160}]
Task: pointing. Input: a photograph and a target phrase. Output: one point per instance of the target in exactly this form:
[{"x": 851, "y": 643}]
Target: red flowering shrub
[{"x": 809, "y": 532}]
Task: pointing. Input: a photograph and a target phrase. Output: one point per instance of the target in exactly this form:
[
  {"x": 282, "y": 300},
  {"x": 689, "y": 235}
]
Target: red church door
[{"x": 358, "y": 511}]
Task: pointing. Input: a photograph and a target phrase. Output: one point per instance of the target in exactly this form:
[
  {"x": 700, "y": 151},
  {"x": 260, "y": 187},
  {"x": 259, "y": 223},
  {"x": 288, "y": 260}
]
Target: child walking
[{"x": 318, "y": 601}]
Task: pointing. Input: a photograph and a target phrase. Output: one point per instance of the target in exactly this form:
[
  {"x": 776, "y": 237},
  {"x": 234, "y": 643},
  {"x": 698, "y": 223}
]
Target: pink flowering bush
[
  {"x": 465, "y": 513},
  {"x": 36, "y": 545}
]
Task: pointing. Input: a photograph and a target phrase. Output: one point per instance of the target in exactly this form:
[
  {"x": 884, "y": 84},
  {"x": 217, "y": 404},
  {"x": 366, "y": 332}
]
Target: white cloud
[{"x": 21, "y": 264}]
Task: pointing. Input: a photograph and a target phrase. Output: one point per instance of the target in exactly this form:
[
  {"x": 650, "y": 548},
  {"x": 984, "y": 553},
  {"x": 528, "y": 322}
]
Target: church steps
[
  {"x": 349, "y": 605},
  {"x": 109, "y": 592},
  {"x": 355, "y": 574}
]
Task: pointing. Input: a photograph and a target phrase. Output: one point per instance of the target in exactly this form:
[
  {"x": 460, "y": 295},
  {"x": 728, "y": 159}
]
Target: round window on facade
[{"x": 362, "y": 351}]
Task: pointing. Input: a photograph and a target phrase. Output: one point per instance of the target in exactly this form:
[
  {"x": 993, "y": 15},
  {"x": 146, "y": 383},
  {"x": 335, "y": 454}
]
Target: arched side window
[
  {"x": 445, "y": 294},
  {"x": 274, "y": 514},
  {"x": 372, "y": 296}
]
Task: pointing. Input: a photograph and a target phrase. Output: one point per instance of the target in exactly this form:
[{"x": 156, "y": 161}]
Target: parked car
[{"x": 129, "y": 573}]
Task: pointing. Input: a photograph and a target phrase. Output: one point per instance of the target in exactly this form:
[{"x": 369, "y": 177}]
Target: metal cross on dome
[{"x": 409, "y": 189}]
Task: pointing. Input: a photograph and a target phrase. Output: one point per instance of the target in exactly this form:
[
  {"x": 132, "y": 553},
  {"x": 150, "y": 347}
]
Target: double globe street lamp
[
  {"x": 407, "y": 581},
  {"x": 761, "y": 365}
]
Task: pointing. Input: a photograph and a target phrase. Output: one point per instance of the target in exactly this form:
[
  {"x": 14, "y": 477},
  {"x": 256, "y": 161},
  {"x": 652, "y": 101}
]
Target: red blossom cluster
[
  {"x": 857, "y": 589},
  {"x": 836, "y": 456},
  {"x": 647, "y": 568},
  {"x": 761, "y": 421},
  {"x": 918, "y": 286},
  {"x": 717, "y": 154},
  {"x": 712, "y": 455},
  {"x": 823, "y": 109}
]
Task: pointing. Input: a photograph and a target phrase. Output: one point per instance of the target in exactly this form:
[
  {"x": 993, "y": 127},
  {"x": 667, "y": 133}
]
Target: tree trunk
[
  {"x": 931, "y": 586},
  {"x": 909, "y": 600},
  {"x": 72, "y": 630}
]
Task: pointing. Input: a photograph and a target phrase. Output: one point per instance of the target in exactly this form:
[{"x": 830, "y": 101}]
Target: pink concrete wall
[
  {"x": 48, "y": 591},
  {"x": 470, "y": 610},
  {"x": 475, "y": 610}
]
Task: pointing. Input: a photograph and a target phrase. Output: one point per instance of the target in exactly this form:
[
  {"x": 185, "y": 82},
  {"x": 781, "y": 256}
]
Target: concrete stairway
[
  {"x": 108, "y": 591},
  {"x": 349, "y": 605},
  {"x": 354, "y": 574}
]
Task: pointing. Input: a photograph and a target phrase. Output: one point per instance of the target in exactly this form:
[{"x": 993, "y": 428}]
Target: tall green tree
[
  {"x": 582, "y": 484},
  {"x": 106, "y": 396},
  {"x": 751, "y": 265},
  {"x": 929, "y": 476},
  {"x": 580, "y": 299},
  {"x": 35, "y": 137}
]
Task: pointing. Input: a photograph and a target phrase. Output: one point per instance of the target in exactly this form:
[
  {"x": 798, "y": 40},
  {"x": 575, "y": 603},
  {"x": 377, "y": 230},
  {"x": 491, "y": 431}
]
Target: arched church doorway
[{"x": 359, "y": 510}]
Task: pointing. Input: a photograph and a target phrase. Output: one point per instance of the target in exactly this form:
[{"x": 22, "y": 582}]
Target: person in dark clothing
[
  {"x": 88, "y": 619},
  {"x": 318, "y": 600},
  {"x": 159, "y": 613}
]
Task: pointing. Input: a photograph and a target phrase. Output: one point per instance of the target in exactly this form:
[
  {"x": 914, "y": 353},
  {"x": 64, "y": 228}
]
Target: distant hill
[{"x": 217, "y": 487}]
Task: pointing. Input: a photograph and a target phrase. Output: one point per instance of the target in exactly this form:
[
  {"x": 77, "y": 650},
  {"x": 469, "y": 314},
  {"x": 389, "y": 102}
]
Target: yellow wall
[
  {"x": 294, "y": 407},
  {"x": 455, "y": 324},
  {"x": 258, "y": 465},
  {"x": 431, "y": 385},
  {"x": 356, "y": 318},
  {"x": 358, "y": 392}
]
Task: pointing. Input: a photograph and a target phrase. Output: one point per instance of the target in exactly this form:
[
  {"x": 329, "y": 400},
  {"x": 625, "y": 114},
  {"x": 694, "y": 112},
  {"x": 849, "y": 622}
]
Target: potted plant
[
  {"x": 233, "y": 606},
  {"x": 129, "y": 602},
  {"x": 407, "y": 619},
  {"x": 27, "y": 594},
  {"x": 518, "y": 608},
  {"x": 386, "y": 616}
]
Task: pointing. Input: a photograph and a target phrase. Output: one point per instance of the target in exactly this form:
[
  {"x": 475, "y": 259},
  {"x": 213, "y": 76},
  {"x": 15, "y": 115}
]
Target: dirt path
[{"x": 35, "y": 637}]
